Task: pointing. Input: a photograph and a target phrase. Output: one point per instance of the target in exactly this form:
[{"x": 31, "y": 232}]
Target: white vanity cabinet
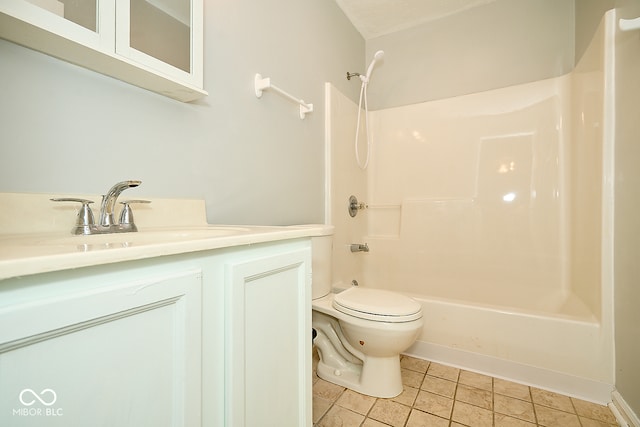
[
  {"x": 154, "y": 44},
  {"x": 209, "y": 338}
]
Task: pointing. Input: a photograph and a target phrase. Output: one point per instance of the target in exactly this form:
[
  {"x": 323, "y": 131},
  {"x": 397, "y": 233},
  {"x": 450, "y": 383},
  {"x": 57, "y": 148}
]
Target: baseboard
[
  {"x": 581, "y": 388},
  {"x": 623, "y": 412}
]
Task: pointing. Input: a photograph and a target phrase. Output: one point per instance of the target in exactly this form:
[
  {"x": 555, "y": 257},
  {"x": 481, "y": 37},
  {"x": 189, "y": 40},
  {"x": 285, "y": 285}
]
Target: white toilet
[{"x": 360, "y": 332}]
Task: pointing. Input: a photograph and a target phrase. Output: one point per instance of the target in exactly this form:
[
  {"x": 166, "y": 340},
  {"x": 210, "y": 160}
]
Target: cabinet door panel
[
  {"x": 136, "y": 364},
  {"x": 82, "y": 12},
  {"x": 164, "y": 36},
  {"x": 86, "y": 22},
  {"x": 269, "y": 342},
  {"x": 272, "y": 355}
]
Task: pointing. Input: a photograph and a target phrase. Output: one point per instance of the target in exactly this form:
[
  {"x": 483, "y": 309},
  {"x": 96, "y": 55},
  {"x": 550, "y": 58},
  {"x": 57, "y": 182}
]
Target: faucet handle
[
  {"x": 126, "y": 216},
  {"x": 85, "y": 223},
  {"x": 354, "y": 206}
]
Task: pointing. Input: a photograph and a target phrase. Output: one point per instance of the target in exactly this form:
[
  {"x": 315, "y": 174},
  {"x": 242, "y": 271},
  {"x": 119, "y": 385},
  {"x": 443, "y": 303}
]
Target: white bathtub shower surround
[
  {"x": 472, "y": 189},
  {"x": 493, "y": 210},
  {"x": 344, "y": 179}
]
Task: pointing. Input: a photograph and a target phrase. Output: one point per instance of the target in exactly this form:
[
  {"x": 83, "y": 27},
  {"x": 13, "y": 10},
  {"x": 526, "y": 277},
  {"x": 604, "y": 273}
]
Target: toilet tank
[{"x": 321, "y": 247}]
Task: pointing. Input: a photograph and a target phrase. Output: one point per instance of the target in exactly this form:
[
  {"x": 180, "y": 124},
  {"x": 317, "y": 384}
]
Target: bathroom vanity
[{"x": 193, "y": 325}]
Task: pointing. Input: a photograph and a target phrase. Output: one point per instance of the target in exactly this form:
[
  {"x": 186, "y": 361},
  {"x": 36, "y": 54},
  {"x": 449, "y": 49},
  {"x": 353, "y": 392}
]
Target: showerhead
[{"x": 378, "y": 56}]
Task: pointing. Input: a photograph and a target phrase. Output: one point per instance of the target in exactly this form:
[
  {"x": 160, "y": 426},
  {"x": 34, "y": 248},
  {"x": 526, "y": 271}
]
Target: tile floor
[{"x": 436, "y": 395}]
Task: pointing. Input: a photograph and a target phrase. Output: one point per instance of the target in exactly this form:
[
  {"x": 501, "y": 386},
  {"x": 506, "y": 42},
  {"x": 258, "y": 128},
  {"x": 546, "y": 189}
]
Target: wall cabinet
[{"x": 154, "y": 44}]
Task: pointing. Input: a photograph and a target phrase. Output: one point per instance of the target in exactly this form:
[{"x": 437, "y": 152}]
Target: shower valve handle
[{"x": 354, "y": 206}]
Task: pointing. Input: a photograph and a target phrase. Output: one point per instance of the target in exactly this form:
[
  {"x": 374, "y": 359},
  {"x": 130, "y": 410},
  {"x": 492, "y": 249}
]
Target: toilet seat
[{"x": 377, "y": 305}]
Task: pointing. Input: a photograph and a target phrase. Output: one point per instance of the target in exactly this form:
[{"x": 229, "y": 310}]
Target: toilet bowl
[{"x": 360, "y": 332}]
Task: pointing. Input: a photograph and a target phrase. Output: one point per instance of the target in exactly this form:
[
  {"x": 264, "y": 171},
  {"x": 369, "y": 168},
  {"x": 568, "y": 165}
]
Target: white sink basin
[
  {"x": 144, "y": 237},
  {"x": 35, "y": 235}
]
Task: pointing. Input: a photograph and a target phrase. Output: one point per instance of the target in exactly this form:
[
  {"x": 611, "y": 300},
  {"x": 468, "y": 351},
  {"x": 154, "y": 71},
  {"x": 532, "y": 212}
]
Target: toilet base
[{"x": 377, "y": 376}]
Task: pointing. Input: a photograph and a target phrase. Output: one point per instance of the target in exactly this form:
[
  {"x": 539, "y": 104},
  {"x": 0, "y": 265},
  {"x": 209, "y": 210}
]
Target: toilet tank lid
[{"x": 377, "y": 301}]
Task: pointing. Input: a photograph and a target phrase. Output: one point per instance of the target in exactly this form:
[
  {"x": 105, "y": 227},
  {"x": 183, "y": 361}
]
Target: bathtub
[{"x": 555, "y": 344}]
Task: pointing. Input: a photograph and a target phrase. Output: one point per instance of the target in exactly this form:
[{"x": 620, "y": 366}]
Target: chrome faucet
[
  {"x": 109, "y": 202},
  {"x": 84, "y": 221}
]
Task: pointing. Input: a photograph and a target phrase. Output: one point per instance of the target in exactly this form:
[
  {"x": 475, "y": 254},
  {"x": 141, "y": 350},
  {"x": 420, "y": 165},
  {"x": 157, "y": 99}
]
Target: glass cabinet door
[
  {"x": 165, "y": 35},
  {"x": 82, "y": 12},
  {"x": 82, "y": 21}
]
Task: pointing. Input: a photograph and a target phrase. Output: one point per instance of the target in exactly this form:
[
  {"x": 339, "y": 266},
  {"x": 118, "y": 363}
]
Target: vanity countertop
[{"x": 49, "y": 245}]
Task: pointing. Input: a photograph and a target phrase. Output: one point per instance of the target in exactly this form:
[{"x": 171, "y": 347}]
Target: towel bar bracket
[{"x": 261, "y": 84}]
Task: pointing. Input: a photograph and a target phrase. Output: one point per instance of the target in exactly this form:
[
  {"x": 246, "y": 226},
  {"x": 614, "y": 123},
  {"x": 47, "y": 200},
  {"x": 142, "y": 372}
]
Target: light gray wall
[
  {"x": 65, "y": 129},
  {"x": 499, "y": 44},
  {"x": 627, "y": 204},
  {"x": 588, "y": 16}
]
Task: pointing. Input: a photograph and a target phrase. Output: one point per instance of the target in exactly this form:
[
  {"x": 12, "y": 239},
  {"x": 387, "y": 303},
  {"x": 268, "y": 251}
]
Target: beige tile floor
[{"x": 436, "y": 395}]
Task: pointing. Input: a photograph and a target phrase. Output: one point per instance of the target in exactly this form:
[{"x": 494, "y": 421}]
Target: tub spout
[{"x": 358, "y": 247}]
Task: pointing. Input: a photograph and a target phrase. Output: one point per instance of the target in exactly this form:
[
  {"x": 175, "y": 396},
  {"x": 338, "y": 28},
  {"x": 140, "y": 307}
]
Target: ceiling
[{"x": 373, "y": 18}]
